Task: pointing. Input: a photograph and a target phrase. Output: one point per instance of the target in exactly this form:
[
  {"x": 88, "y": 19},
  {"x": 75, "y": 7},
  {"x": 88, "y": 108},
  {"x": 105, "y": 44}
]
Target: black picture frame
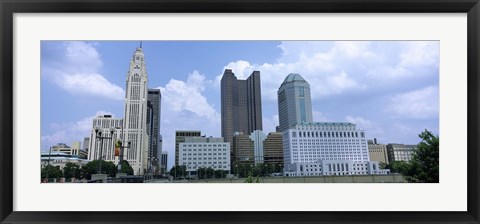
[{"x": 10, "y": 7}]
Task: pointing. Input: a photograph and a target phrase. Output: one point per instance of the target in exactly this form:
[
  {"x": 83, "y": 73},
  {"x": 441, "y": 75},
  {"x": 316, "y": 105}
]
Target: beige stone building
[{"x": 377, "y": 152}]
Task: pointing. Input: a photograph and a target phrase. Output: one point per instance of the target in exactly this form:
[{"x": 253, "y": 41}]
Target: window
[{"x": 301, "y": 91}]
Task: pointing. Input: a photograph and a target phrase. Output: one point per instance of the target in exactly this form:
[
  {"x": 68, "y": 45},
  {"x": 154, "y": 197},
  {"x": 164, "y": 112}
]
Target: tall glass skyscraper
[
  {"x": 153, "y": 126},
  {"x": 241, "y": 104},
  {"x": 294, "y": 102}
]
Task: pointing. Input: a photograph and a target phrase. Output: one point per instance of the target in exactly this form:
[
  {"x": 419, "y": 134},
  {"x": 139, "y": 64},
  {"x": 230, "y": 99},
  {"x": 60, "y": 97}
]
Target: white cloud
[
  {"x": 320, "y": 117},
  {"x": 353, "y": 49},
  {"x": 82, "y": 56},
  {"x": 90, "y": 84},
  {"x": 77, "y": 70},
  {"x": 341, "y": 82},
  {"x": 242, "y": 68},
  {"x": 422, "y": 103},
  {"x": 185, "y": 107},
  {"x": 343, "y": 67},
  {"x": 69, "y": 132},
  {"x": 372, "y": 129},
  {"x": 179, "y": 96},
  {"x": 359, "y": 121},
  {"x": 421, "y": 53}
]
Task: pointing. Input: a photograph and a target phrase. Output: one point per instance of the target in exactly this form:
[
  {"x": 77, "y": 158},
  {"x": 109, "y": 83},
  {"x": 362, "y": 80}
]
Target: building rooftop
[
  {"x": 292, "y": 77},
  {"x": 327, "y": 123}
]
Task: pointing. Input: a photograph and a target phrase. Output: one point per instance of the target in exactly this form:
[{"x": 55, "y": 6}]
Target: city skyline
[{"x": 387, "y": 88}]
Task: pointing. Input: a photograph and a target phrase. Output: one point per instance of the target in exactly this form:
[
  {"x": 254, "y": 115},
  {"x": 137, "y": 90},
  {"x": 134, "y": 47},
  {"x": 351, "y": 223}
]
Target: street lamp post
[
  {"x": 120, "y": 159},
  {"x": 122, "y": 147},
  {"x": 98, "y": 133},
  {"x": 155, "y": 163},
  {"x": 281, "y": 170},
  {"x": 145, "y": 175},
  {"x": 48, "y": 162},
  {"x": 266, "y": 170}
]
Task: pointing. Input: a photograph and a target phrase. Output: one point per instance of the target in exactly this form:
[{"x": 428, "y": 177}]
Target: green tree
[
  {"x": 51, "y": 172},
  {"x": 210, "y": 172},
  {"x": 178, "y": 171},
  {"x": 398, "y": 167},
  {"x": 72, "y": 170},
  {"x": 383, "y": 165},
  {"x": 251, "y": 179},
  {"x": 220, "y": 174},
  {"x": 92, "y": 168},
  {"x": 201, "y": 173},
  {"x": 126, "y": 168},
  {"x": 424, "y": 165}
]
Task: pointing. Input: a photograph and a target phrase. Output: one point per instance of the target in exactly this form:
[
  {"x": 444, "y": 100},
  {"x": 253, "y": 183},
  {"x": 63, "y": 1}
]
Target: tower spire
[{"x": 140, "y": 44}]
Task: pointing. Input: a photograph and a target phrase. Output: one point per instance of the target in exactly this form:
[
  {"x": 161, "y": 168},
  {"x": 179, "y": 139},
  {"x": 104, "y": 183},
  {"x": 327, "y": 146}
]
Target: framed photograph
[{"x": 372, "y": 85}]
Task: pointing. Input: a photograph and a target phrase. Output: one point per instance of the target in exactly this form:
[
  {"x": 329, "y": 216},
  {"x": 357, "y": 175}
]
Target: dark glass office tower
[
  {"x": 241, "y": 104},
  {"x": 153, "y": 123}
]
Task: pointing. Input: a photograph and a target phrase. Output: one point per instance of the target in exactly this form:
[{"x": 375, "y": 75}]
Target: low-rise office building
[
  {"x": 309, "y": 142},
  {"x": 400, "y": 152},
  {"x": 202, "y": 152},
  {"x": 273, "y": 148},
  {"x": 74, "y": 149},
  {"x": 257, "y": 148},
  {"x": 60, "y": 159}
]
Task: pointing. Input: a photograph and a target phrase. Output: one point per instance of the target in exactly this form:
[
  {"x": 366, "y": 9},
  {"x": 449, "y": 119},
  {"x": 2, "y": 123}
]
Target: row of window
[
  {"x": 214, "y": 167},
  {"x": 194, "y": 163},
  {"x": 205, "y": 158},
  {"x": 329, "y": 148},
  {"x": 205, "y": 145},
  {"x": 328, "y": 173},
  {"x": 336, "y": 127},
  {"x": 205, "y": 149},
  {"x": 204, "y": 154},
  {"x": 307, "y": 134},
  {"x": 334, "y": 158}
]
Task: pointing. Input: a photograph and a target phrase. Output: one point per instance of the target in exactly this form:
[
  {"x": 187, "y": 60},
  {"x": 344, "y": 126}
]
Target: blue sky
[{"x": 388, "y": 88}]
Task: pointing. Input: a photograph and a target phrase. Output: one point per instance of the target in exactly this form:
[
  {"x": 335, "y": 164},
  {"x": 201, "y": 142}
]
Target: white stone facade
[
  {"x": 106, "y": 146},
  {"x": 330, "y": 141},
  {"x": 135, "y": 130},
  {"x": 335, "y": 168}
]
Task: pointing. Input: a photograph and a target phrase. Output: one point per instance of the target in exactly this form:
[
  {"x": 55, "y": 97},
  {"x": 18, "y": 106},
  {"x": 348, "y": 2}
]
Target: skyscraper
[
  {"x": 294, "y": 102},
  {"x": 153, "y": 126},
  {"x": 241, "y": 104},
  {"x": 164, "y": 162},
  {"x": 135, "y": 128}
]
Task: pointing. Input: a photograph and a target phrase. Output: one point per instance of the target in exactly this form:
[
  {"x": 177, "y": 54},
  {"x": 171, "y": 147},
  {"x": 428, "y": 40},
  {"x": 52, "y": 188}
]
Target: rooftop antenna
[{"x": 140, "y": 44}]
